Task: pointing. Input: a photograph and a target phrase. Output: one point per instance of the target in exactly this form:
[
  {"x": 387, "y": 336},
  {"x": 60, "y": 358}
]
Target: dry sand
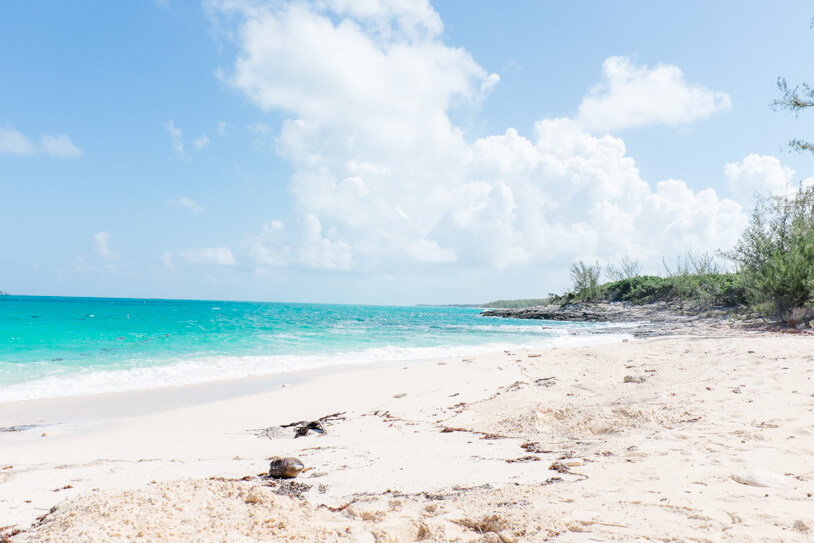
[{"x": 663, "y": 439}]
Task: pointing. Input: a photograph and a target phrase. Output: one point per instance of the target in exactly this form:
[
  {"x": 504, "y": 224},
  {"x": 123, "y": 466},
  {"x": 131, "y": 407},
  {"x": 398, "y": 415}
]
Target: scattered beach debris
[
  {"x": 527, "y": 458},
  {"x": 534, "y": 355},
  {"x": 18, "y": 428},
  {"x": 535, "y": 448},
  {"x": 300, "y": 428},
  {"x": 546, "y": 382},
  {"x": 801, "y": 526},
  {"x": 46, "y": 434},
  {"x": 559, "y": 467},
  {"x": 7, "y": 532},
  {"x": 399, "y": 395},
  {"x": 634, "y": 379},
  {"x": 288, "y": 487},
  {"x": 483, "y": 435},
  {"x": 285, "y": 468}
]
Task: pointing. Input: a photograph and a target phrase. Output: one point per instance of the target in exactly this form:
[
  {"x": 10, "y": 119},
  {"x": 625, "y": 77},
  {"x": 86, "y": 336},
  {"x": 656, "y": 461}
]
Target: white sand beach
[{"x": 697, "y": 438}]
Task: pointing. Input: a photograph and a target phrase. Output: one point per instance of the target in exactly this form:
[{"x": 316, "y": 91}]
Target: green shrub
[
  {"x": 703, "y": 290},
  {"x": 776, "y": 253}
]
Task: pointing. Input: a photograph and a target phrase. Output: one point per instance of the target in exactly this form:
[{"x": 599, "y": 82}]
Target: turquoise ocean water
[{"x": 53, "y": 346}]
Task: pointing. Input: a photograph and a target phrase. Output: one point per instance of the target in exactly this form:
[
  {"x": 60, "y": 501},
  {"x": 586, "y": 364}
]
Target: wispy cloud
[
  {"x": 177, "y": 139},
  {"x": 176, "y": 136},
  {"x": 167, "y": 260},
  {"x": 187, "y": 203},
  {"x": 202, "y": 142},
  {"x": 101, "y": 244},
  {"x": 15, "y": 143},
  {"x": 58, "y": 146},
  {"x": 215, "y": 255}
]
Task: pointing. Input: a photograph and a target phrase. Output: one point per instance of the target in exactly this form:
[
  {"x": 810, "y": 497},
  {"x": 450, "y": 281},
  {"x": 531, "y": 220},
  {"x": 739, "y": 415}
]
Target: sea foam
[{"x": 216, "y": 368}]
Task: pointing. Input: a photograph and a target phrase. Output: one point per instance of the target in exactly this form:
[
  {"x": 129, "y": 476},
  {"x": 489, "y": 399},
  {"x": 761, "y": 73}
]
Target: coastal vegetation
[
  {"x": 775, "y": 254},
  {"x": 696, "y": 281},
  {"x": 774, "y": 270},
  {"x": 773, "y": 259}
]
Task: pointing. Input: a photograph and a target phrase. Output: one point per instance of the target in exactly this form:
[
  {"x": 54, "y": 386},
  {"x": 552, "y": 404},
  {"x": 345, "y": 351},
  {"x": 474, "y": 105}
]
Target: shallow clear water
[{"x": 53, "y": 346}]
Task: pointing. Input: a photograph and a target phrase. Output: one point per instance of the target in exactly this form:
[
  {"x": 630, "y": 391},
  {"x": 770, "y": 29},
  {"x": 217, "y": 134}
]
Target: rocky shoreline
[{"x": 640, "y": 320}]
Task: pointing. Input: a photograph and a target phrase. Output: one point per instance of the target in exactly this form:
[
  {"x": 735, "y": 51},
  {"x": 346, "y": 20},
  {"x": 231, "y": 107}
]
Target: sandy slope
[{"x": 466, "y": 454}]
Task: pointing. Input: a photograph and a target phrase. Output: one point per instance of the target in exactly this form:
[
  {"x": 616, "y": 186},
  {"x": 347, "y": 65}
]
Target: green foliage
[
  {"x": 585, "y": 280},
  {"x": 703, "y": 290},
  {"x": 795, "y": 99},
  {"x": 776, "y": 253},
  {"x": 517, "y": 304}
]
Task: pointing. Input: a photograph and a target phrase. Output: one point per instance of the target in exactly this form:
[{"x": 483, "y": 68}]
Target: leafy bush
[
  {"x": 776, "y": 253},
  {"x": 712, "y": 289}
]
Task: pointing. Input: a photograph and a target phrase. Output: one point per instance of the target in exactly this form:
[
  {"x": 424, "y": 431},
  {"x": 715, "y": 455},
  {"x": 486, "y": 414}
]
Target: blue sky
[{"x": 379, "y": 151}]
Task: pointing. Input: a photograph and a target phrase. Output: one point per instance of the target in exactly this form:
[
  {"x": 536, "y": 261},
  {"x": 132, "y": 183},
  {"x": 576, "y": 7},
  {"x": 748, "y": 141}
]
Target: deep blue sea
[{"x": 53, "y": 346}]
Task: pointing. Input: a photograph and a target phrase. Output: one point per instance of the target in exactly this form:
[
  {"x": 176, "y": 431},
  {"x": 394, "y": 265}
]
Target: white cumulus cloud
[
  {"x": 384, "y": 180},
  {"x": 312, "y": 248},
  {"x": 216, "y": 255},
  {"x": 630, "y": 96},
  {"x": 758, "y": 174}
]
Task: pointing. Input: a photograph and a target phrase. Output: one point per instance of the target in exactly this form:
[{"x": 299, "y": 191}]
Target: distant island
[
  {"x": 449, "y": 305},
  {"x": 4, "y": 293},
  {"x": 516, "y": 304}
]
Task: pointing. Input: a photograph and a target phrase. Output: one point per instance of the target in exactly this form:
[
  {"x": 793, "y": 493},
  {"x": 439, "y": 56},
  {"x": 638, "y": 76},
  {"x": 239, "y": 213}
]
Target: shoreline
[
  {"x": 573, "y": 337},
  {"x": 442, "y": 443}
]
